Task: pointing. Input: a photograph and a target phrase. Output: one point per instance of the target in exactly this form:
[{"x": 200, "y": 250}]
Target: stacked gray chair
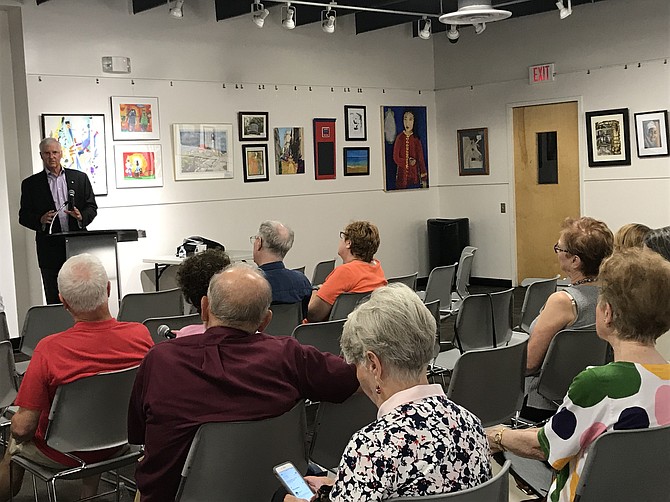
[
  {"x": 463, "y": 276},
  {"x": 440, "y": 287}
]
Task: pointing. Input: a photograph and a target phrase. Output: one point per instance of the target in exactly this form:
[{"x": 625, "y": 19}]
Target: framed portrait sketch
[
  {"x": 404, "y": 130},
  {"x": 651, "y": 132},
  {"x": 135, "y": 118},
  {"x": 608, "y": 137},
  {"x": 255, "y": 159},
  {"x": 203, "y": 151},
  {"x": 473, "y": 151},
  {"x": 138, "y": 165},
  {"x": 357, "y": 161},
  {"x": 324, "y": 149},
  {"x": 253, "y": 126},
  {"x": 82, "y": 138},
  {"x": 289, "y": 150},
  {"x": 355, "y": 123}
]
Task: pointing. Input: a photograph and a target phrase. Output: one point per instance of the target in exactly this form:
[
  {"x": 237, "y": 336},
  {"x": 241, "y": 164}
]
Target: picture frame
[
  {"x": 203, "y": 151},
  {"x": 355, "y": 123},
  {"x": 473, "y": 151},
  {"x": 138, "y": 165},
  {"x": 289, "y": 143},
  {"x": 651, "y": 133},
  {"x": 324, "y": 149},
  {"x": 608, "y": 137},
  {"x": 83, "y": 142},
  {"x": 135, "y": 118},
  {"x": 405, "y": 140},
  {"x": 252, "y": 126},
  {"x": 356, "y": 161},
  {"x": 255, "y": 158}
]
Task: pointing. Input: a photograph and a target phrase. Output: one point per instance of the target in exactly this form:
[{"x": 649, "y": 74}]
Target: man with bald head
[{"x": 230, "y": 372}]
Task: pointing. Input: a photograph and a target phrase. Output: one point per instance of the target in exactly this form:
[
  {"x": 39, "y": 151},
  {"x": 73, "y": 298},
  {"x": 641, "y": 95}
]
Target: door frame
[{"x": 581, "y": 134}]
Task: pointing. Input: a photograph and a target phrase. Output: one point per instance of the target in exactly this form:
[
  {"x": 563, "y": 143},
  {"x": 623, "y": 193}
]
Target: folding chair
[
  {"x": 407, "y": 280},
  {"x": 285, "y": 317},
  {"x": 537, "y": 294},
  {"x": 325, "y": 336},
  {"x": 138, "y": 307},
  {"x": 176, "y": 322},
  {"x": 321, "y": 271},
  {"x": 345, "y": 304}
]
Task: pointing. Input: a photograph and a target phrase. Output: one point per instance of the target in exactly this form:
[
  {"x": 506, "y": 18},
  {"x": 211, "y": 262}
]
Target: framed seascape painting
[
  {"x": 82, "y": 138},
  {"x": 255, "y": 159},
  {"x": 135, "y": 118},
  {"x": 608, "y": 138},
  {"x": 357, "y": 161},
  {"x": 138, "y": 165},
  {"x": 202, "y": 151},
  {"x": 253, "y": 126},
  {"x": 289, "y": 150},
  {"x": 473, "y": 151},
  {"x": 651, "y": 132},
  {"x": 355, "y": 123},
  {"x": 404, "y": 130}
]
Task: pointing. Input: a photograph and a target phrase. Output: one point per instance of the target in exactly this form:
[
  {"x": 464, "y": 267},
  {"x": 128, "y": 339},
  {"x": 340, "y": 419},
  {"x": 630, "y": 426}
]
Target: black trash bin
[{"x": 446, "y": 239}]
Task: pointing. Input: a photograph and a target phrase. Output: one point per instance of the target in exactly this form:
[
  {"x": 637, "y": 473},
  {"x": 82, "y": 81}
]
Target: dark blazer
[{"x": 36, "y": 199}]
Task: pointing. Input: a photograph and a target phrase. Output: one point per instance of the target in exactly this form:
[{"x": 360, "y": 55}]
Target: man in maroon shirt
[{"x": 231, "y": 372}]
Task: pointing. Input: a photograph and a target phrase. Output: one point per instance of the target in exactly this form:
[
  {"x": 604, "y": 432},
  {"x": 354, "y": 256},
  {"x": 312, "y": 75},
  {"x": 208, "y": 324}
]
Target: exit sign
[{"x": 541, "y": 73}]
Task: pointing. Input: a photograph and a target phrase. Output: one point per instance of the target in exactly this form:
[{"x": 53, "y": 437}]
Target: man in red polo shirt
[{"x": 96, "y": 343}]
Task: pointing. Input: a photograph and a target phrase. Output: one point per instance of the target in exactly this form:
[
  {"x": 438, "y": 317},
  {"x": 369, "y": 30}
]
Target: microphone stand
[{"x": 51, "y": 226}]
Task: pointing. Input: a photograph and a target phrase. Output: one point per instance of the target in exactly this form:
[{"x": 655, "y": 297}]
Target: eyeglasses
[
  {"x": 343, "y": 235},
  {"x": 252, "y": 239},
  {"x": 557, "y": 249}
]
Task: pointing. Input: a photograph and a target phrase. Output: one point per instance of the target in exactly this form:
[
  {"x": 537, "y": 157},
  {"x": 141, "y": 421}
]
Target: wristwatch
[{"x": 497, "y": 438}]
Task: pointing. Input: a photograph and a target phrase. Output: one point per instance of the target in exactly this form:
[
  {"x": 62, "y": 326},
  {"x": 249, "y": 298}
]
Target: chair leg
[
  {"x": 51, "y": 488},
  {"x": 34, "y": 488}
]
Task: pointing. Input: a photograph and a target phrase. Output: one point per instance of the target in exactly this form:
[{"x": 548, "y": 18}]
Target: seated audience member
[
  {"x": 360, "y": 272},
  {"x": 630, "y": 235},
  {"x": 271, "y": 244},
  {"x": 582, "y": 245},
  {"x": 96, "y": 343},
  {"x": 659, "y": 241},
  {"x": 421, "y": 443},
  {"x": 231, "y": 372},
  {"x": 633, "y": 310},
  {"x": 193, "y": 279}
]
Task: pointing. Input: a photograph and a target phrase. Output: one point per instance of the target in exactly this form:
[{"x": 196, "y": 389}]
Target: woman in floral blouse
[{"x": 421, "y": 443}]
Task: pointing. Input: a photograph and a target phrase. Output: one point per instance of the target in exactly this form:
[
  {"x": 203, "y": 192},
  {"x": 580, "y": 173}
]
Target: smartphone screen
[{"x": 293, "y": 481}]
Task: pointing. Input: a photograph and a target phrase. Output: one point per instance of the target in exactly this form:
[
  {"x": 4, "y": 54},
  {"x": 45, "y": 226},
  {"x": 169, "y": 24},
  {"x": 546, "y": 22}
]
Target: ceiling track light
[
  {"x": 424, "y": 25},
  {"x": 453, "y": 34},
  {"x": 258, "y": 13},
  {"x": 563, "y": 10},
  {"x": 177, "y": 10},
  {"x": 329, "y": 18},
  {"x": 288, "y": 14}
]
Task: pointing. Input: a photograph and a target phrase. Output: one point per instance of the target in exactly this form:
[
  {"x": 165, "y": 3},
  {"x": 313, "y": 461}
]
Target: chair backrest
[
  {"x": 285, "y": 317},
  {"x": 407, "y": 280},
  {"x": 8, "y": 384},
  {"x": 501, "y": 303},
  {"x": 463, "y": 274},
  {"x": 495, "y": 489},
  {"x": 42, "y": 321},
  {"x": 91, "y": 413},
  {"x": 569, "y": 353},
  {"x": 300, "y": 269},
  {"x": 325, "y": 336},
  {"x": 4, "y": 328},
  {"x": 434, "y": 308},
  {"x": 334, "y": 426},
  {"x": 175, "y": 322},
  {"x": 536, "y": 296},
  {"x": 138, "y": 307},
  {"x": 643, "y": 475},
  {"x": 321, "y": 271},
  {"x": 345, "y": 304},
  {"x": 439, "y": 286},
  {"x": 233, "y": 461},
  {"x": 469, "y": 250},
  {"x": 490, "y": 382},
  {"x": 474, "y": 323}
]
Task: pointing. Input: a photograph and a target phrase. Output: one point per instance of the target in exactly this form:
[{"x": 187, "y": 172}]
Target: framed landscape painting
[
  {"x": 203, "y": 151},
  {"x": 135, "y": 118},
  {"x": 357, "y": 161},
  {"x": 138, "y": 165}
]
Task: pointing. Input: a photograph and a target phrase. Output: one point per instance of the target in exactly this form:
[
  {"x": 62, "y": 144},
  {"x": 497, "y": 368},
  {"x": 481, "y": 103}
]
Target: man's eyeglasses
[
  {"x": 557, "y": 249},
  {"x": 343, "y": 235},
  {"x": 252, "y": 239}
]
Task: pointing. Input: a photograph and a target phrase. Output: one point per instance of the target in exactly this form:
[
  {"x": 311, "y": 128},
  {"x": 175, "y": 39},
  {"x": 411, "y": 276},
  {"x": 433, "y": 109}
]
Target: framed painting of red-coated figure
[{"x": 405, "y": 145}]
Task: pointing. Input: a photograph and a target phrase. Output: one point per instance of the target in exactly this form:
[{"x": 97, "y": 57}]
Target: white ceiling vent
[{"x": 474, "y": 12}]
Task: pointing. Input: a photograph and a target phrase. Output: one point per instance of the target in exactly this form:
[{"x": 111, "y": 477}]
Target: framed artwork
[
  {"x": 404, "y": 130},
  {"x": 82, "y": 138},
  {"x": 289, "y": 150},
  {"x": 253, "y": 126},
  {"x": 473, "y": 151},
  {"x": 324, "y": 149},
  {"x": 608, "y": 137},
  {"x": 651, "y": 132},
  {"x": 135, "y": 118},
  {"x": 138, "y": 165},
  {"x": 357, "y": 161},
  {"x": 255, "y": 163},
  {"x": 202, "y": 151},
  {"x": 355, "y": 123}
]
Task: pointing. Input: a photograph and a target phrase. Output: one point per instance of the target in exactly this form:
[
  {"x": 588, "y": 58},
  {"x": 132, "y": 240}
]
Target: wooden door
[{"x": 541, "y": 208}]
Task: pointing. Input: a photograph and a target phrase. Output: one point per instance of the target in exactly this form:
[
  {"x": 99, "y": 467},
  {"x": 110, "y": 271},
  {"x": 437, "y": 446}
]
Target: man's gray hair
[
  {"x": 396, "y": 326},
  {"x": 276, "y": 236},
  {"x": 243, "y": 301},
  {"x": 82, "y": 282},
  {"x": 46, "y": 141}
]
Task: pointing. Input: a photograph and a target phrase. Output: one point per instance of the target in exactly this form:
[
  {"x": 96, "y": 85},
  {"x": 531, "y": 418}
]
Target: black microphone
[
  {"x": 164, "y": 331},
  {"x": 70, "y": 200}
]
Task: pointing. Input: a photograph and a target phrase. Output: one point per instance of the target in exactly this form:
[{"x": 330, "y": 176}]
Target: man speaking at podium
[{"x": 53, "y": 201}]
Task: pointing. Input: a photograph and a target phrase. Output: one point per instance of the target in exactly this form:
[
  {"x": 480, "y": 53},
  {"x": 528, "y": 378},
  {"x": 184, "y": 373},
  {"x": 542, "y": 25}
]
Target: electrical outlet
[{"x": 503, "y": 207}]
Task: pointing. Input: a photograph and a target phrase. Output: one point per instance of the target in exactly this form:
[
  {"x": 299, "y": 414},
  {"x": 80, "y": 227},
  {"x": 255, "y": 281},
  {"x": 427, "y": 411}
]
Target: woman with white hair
[{"x": 421, "y": 443}]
